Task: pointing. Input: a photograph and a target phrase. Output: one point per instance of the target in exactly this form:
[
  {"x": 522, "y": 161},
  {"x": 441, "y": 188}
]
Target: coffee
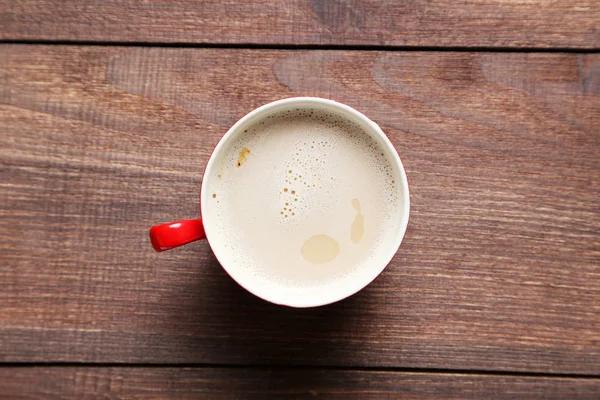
[{"x": 302, "y": 198}]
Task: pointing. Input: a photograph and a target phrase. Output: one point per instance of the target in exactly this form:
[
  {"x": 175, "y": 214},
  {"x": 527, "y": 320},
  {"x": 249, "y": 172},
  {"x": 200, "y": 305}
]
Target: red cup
[{"x": 174, "y": 234}]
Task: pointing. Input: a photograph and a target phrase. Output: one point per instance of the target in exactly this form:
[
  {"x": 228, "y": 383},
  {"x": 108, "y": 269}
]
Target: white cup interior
[{"x": 335, "y": 290}]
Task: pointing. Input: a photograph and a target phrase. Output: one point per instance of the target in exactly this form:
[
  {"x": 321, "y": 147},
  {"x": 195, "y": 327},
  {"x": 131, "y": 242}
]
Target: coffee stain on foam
[
  {"x": 357, "y": 229},
  {"x": 320, "y": 249},
  {"x": 243, "y": 156}
]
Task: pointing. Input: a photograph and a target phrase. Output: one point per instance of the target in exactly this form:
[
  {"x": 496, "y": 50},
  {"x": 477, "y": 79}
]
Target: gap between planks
[
  {"x": 445, "y": 49},
  {"x": 298, "y": 367}
]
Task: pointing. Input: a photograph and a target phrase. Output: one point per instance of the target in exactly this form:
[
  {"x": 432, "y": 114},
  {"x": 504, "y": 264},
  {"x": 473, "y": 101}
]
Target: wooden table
[{"x": 109, "y": 111}]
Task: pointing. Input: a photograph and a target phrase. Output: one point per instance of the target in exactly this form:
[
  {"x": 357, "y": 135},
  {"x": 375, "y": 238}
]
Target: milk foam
[{"x": 303, "y": 173}]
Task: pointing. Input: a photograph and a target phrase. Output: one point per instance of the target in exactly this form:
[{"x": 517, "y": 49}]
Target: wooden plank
[
  {"x": 218, "y": 383},
  {"x": 472, "y": 23},
  {"x": 500, "y": 265}
]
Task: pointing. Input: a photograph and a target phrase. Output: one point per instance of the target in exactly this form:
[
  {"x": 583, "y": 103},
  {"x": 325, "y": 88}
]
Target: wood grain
[
  {"x": 218, "y": 383},
  {"x": 500, "y": 268},
  {"x": 472, "y": 23}
]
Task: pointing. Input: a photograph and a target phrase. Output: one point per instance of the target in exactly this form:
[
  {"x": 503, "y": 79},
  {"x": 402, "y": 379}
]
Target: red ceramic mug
[{"x": 256, "y": 232}]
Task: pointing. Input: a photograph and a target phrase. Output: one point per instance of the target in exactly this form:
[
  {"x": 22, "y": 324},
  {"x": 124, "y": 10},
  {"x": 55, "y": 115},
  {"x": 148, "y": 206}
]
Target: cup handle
[{"x": 174, "y": 234}]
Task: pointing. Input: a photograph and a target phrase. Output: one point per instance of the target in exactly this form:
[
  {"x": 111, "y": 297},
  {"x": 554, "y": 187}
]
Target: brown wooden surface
[
  {"x": 216, "y": 383},
  {"x": 472, "y": 23},
  {"x": 500, "y": 265}
]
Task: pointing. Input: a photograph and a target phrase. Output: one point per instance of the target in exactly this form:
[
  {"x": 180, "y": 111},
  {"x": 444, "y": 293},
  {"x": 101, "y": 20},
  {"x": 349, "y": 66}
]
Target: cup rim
[{"x": 404, "y": 211}]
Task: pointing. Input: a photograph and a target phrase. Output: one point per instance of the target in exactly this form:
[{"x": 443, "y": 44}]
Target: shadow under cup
[{"x": 304, "y": 201}]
